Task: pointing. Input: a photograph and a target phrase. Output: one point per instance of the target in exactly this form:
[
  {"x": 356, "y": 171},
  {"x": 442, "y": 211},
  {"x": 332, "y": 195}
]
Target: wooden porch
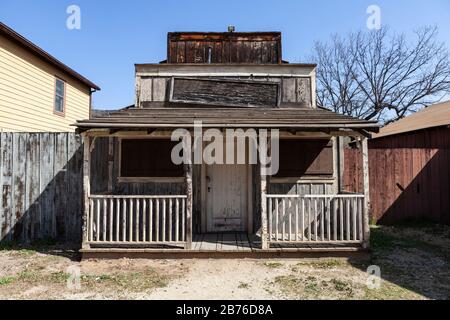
[
  {"x": 156, "y": 224},
  {"x": 226, "y": 245}
]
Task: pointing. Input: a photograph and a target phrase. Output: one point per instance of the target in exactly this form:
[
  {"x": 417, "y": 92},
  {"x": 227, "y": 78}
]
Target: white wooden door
[{"x": 227, "y": 198}]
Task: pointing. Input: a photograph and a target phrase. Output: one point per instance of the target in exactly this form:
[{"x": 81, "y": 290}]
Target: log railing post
[
  {"x": 365, "y": 160},
  {"x": 86, "y": 189}
]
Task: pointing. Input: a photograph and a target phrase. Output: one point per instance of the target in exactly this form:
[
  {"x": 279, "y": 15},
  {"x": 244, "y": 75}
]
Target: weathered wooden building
[
  {"x": 138, "y": 200},
  {"x": 410, "y": 168}
]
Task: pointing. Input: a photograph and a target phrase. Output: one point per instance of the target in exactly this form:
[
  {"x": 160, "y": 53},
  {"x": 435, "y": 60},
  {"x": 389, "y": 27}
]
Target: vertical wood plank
[
  {"x": 189, "y": 203},
  {"x": 328, "y": 215},
  {"x": 163, "y": 220},
  {"x": 111, "y": 217},
  {"x": 117, "y": 219},
  {"x": 124, "y": 220},
  {"x": 170, "y": 219},
  {"x": 137, "y": 225},
  {"x": 32, "y": 189},
  {"x": 97, "y": 220},
  {"x": 347, "y": 219},
  {"x": 270, "y": 211},
  {"x": 263, "y": 190},
  {"x": 277, "y": 213},
  {"x": 157, "y": 226},
  {"x": 91, "y": 221},
  {"x": 144, "y": 220},
  {"x": 47, "y": 184},
  {"x": 104, "y": 220},
  {"x": 183, "y": 220},
  {"x": 335, "y": 219},
  {"x": 341, "y": 218},
  {"x": 19, "y": 192},
  {"x": 150, "y": 226},
  {"x": 365, "y": 155},
  {"x": 177, "y": 220},
  {"x": 130, "y": 227},
  {"x": 315, "y": 220},
  {"x": 60, "y": 184},
  {"x": 283, "y": 219},
  {"x": 322, "y": 218}
]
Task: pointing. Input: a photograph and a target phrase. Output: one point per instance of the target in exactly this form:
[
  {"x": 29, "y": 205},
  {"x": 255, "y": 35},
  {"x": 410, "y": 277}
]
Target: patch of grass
[
  {"x": 30, "y": 276},
  {"x": 342, "y": 286},
  {"x": 322, "y": 264},
  {"x": 59, "y": 277},
  {"x": 131, "y": 281},
  {"x": 243, "y": 285},
  {"x": 390, "y": 291},
  {"x": 313, "y": 287},
  {"x": 273, "y": 265},
  {"x": 6, "y": 280}
]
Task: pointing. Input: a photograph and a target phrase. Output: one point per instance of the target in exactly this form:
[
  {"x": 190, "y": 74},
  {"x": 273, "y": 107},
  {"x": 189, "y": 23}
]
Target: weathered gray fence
[{"x": 41, "y": 183}]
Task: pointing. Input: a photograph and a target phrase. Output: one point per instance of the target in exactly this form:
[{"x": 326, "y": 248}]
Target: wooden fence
[
  {"x": 409, "y": 176},
  {"x": 41, "y": 182}
]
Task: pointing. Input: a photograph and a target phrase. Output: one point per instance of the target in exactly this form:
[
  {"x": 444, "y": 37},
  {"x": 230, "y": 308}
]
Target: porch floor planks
[{"x": 222, "y": 242}]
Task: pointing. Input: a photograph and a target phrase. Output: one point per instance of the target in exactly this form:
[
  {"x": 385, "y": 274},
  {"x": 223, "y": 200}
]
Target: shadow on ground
[{"x": 413, "y": 257}]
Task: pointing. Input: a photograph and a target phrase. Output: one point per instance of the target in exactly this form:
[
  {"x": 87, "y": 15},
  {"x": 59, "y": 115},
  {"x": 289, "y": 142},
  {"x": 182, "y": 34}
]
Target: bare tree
[{"x": 378, "y": 76}]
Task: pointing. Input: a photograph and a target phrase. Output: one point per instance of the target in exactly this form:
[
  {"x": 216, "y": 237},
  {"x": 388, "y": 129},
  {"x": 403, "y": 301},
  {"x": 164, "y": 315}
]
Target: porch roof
[{"x": 176, "y": 115}]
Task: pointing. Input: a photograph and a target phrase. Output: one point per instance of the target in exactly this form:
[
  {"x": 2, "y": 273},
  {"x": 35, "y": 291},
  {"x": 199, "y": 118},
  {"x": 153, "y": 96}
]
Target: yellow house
[{"x": 38, "y": 93}]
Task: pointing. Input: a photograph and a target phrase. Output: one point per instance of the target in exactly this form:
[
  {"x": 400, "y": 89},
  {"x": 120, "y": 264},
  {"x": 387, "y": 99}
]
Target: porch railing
[
  {"x": 117, "y": 219},
  {"x": 315, "y": 218}
]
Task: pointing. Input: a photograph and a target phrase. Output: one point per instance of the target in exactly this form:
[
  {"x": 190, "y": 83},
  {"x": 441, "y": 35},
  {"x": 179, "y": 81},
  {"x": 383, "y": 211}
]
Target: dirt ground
[{"x": 414, "y": 262}]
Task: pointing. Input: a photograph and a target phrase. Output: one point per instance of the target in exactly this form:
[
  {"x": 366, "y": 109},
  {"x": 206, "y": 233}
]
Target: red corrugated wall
[{"x": 409, "y": 176}]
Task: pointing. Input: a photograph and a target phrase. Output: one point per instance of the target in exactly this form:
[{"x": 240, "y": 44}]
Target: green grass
[
  {"x": 273, "y": 265},
  {"x": 6, "y": 280},
  {"x": 322, "y": 264},
  {"x": 131, "y": 281},
  {"x": 243, "y": 285}
]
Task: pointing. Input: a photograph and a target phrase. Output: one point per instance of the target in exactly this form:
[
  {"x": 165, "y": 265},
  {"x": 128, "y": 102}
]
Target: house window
[
  {"x": 305, "y": 158},
  {"x": 148, "y": 158},
  {"x": 60, "y": 95}
]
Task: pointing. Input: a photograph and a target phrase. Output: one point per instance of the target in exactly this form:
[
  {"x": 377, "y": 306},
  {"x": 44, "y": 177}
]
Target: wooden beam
[
  {"x": 264, "y": 234},
  {"x": 366, "y": 222},
  {"x": 86, "y": 189},
  {"x": 340, "y": 160},
  {"x": 189, "y": 204}
]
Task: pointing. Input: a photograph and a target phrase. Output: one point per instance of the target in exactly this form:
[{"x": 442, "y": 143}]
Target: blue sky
[{"x": 116, "y": 34}]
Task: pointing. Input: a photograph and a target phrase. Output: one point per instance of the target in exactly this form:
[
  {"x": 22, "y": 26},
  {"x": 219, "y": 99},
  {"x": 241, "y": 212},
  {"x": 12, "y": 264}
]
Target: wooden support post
[
  {"x": 264, "y": 235},
  {"x": 340, "y": 159},
  {"x": 189, "y": 203},
  {"x": 365, "y": 158},
  {"x": 336, "y": 173},
  {"x": 86, "y": 188}
]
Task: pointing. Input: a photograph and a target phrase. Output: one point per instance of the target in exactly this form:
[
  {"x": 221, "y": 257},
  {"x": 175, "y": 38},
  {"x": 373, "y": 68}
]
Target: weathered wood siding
[
  {"x": 225, "y": 92},
  {"x": 293, "y": 90},
  {"x": 409, "y": 176},
  {"x": 27, "y": 93},
  {"x": 258, "y": 48},
  {"x": 41, "y": 182}
]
